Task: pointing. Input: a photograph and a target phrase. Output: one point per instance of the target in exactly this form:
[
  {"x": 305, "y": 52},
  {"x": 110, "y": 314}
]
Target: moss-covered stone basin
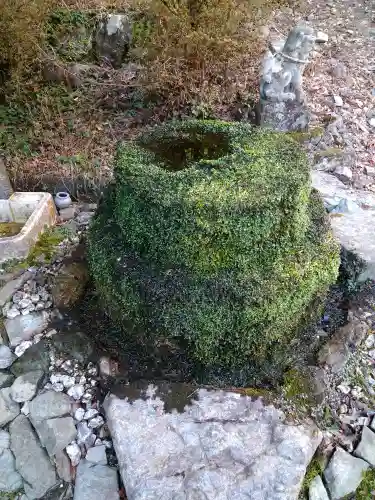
[{"x": 211, "y": 237}]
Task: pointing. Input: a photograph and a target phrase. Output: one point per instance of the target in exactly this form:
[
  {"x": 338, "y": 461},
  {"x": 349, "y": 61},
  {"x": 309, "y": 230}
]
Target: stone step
[{"x": 223, "y": 445}]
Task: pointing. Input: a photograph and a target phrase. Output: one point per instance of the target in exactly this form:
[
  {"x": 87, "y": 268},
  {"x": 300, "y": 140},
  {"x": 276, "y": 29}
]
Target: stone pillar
[
  {"x": 282, "y": 100},
  {"x": 5, "y": 186}
]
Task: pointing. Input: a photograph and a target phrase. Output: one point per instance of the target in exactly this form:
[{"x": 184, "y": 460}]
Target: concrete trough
[{"x": 36, "y": 211}]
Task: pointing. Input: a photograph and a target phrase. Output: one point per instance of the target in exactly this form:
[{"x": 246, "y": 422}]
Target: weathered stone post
[
  {"x": 5, "y": 186},
  {"x": 282, "y": 100}
]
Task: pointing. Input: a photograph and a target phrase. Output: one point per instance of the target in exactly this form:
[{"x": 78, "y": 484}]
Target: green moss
[
  {"x": 8, "y": 229},
  {"x": 315, "y": 468},
  {"x": 10, "y": 496},
  {"x": 328, "y": 153},
  {"x": 306, "y": 136},
  {"x": 45, "y": 247},
  {"x": 366, "y": 490},
  {"x": 296, "y": 386},
  {"x": 211, "y": 235}
]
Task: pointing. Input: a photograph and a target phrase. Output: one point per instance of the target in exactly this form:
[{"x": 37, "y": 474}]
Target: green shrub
[{"x": 211, "y": 235}]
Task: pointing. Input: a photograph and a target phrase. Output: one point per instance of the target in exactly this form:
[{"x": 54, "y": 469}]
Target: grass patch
[
  {"x": 315, "y": 468},
  {"x": 366, "y": 490}
]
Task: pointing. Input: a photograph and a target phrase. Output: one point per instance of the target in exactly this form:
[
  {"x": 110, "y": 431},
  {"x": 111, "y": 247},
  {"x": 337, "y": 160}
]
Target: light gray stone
[
  {"x": 32, "y": 461},
  {"x": 56, "y": 433},
  {"x": 6, "y": 357},
  {"x": 366, "y": 447},
  {"x": 4, "y": 440},
  {"x": 49, "y": 405},
  {"x": 9, "y": 409},
  {"x": 10, "y": 479},
  {"x": 344, "y": 474},
  {"x": 113, "y": 39},
  {"x": 344, "y": 173},
  {"x": 321, "y": 37},
  {"x": 74, "y": 453},
  {"x": 63, "y": 466},
  {"x": 85, "y": 435},
  {"x": 25, "y": 327},
  {"x": 354, "y": 228},
  {"x": 282, "y": 100},
  {"x": 96, "y": 478},
  {"x": 25, "y": 386},
  {"x": 97, "y": 455},
  {"x": 223, "y": 445},
  {"x": 317, "y": 490},
  {"x": 338, "y": 100},
  {"x": 10, "y": 288}
]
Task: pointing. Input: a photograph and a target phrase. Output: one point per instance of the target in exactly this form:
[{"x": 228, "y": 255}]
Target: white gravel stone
[
  {"x": 38, "y": 337},
  {"x": 338, "y": 100},
  {"x": 321, "y": 37},
  {"x": 343, "y": 388},
  {"x": 67, "y": 381},
  {"x": 25, "y": 408},
  {"x": 76, "y": 392},
  {"x": 85, "y": 435},
  {"x": 90, "y": 414},
  {"x": 58, "y": 386},
  {"x": 35, "y": 298},
  {"x": 79, "y": 414},
  {"x": 96, "y": 422},
  {"x": 51, "y": 333},
  {"x": 370, "y": 341},
  {"x": 12, "y": 313},
  {"x": 74, "y": 453},
  {"x": 18, "y": 296},
  {"x": 39, "y": 306},
  {"x": 22, "y": 348},
  {"x": 24, "y": 303}
]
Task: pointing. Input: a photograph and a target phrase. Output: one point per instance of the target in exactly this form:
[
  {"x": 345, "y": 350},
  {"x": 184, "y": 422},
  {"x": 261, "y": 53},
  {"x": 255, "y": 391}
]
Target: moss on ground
[
  {"x": 45, "y": 247},
  {"x": 366, "y": 490},
  {"x": 211, "y": 234},
  {"x": 315, "y": 468}
]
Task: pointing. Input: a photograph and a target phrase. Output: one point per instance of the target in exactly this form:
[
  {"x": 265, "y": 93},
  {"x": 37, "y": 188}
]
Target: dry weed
[{"x": 199, "y": 52}]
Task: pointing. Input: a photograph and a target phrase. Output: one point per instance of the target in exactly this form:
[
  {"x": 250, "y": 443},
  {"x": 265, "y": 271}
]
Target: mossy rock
[{"x": 211, "y": 236}]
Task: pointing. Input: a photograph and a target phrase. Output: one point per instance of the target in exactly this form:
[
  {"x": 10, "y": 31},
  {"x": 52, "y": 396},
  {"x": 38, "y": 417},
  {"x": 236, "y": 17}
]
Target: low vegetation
[
  {"x": 210, "y": 235},
  {"x": 194, "y": 57}
]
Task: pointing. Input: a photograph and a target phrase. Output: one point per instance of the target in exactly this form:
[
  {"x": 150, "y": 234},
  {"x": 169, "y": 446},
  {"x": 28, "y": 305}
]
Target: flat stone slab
[
  {"x": 56, "y": 433},
  {"x": 25, "y": 327},
  {"x": 8, "y": 408},
  {"x": 344, "y": 474},
  {"x": 353, "y": 226},
  {"x": 96, "y": 481},
  {"x": 366, "y": 447},
  {"x": 6, "y": 357},
  {"x": 32, "y": 461},
  {"x": 25, "y": 386},
  {"x": 6, "y": 380},
  {"x": 317, "y": 490},
  {"x": 10, "y": 288},
  {"x": 48, "y": 405},
  {"x": 10, "y": 479},
  {"x": 222, "y": 445}
]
